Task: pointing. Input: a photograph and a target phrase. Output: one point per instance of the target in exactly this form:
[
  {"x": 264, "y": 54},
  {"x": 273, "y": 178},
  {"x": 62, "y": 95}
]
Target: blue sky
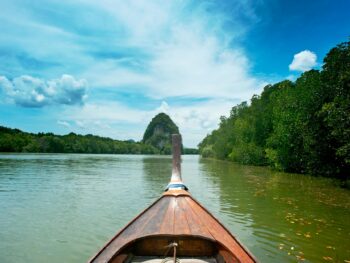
[{"x": 107, "y": 67}]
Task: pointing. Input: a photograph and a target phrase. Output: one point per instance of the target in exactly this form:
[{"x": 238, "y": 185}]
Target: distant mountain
[{"x": 158, "y": 133}]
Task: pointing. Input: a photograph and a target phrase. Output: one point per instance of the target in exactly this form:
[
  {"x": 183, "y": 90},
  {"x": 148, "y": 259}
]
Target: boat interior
[{"x": 161, "y": 249}]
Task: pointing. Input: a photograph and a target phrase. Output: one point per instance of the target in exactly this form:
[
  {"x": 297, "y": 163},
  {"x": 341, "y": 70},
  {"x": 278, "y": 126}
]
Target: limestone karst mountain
[{"x": 158, "y": 133}]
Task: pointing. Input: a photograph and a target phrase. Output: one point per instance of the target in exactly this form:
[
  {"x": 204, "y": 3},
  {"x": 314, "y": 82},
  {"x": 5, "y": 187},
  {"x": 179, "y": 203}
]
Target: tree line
[
  {"x": 301, "y": 126},
  {"x": 15, "y": 140}
]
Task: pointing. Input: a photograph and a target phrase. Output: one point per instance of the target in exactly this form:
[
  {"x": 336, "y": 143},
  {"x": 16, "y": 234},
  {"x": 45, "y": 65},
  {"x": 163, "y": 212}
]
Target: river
[{"x": 64, "y": 207}]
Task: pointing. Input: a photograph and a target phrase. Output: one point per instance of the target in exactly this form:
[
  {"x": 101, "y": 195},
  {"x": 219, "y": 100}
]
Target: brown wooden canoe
[{"x": 175, "y": 225}]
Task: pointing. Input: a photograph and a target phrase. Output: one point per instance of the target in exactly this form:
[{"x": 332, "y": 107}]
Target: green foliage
[
  {"x": 158, "y": 133},
  {"x": 207, "y": 151},
  {"x": 335, "y": 113},
  {"x": 273, "y": 159},
  {"x": 190, "y": 151},
  {"x": 298, "y": 127},
  {"x": 13, "y": 140},
  {"x": 248, "y": 153}
]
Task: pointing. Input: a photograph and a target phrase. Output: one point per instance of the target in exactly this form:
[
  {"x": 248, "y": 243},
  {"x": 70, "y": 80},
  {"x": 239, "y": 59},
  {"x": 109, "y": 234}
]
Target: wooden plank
[
  {"x": 219, "y": 232},
  {"x": 136, "y": 229},
  {"x": 176, "y": 149},
  {"x": 154, "y": 224},
  {"x": 196, "y": 226},
  {"x": 228, "y": 258},
  {"x": 180, "y": 221},
  {"x": 132, "y": 231},
  {"x": 216, "y": 230},
  {"x": 187, "y": 246},
  {"x": 167, "y": 226},
  {"x": 120, "y": 258},
  {"x": 176, "y": 192}
]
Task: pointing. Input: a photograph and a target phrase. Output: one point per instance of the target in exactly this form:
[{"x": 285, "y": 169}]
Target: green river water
[{"x": 64, "y": 207}]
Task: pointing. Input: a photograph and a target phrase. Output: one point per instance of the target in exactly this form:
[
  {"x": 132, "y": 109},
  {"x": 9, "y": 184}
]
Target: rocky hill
[{"x": 158, "y": 133}]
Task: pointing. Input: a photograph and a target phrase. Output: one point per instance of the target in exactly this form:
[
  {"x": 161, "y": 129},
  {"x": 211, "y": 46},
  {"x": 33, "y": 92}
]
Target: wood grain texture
[
  {"x": 131, "y": 232},
  {"x": 180, "y": 221},
  {"x": 120, "y": 258},
  {"x": 196, "y": 226},
  {"x": 176, "y": 149},
  {"x": 176, "y": 192},
  {"x": 219, "y": 232},
  {"x": 167, "y": 227},
  {"x": 227, "y": 257},
  {"x": 175, "y": 214},
  {"x": 158, "y": 246}
]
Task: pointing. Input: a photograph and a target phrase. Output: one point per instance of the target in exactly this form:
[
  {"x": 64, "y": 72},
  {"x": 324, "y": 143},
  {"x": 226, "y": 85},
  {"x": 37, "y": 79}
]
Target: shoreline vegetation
[
  {"x": 300, "y": 126},
  {"x": 17, "y": 141},
  {"x": 156, "y": 141}
]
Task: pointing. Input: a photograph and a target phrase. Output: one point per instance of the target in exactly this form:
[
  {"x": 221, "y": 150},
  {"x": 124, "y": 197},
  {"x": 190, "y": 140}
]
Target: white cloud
[
  {"x": 162, "y": 49},
  {"x": 164, "y": 107},
  {"x": 196, "y": 65},
  {"x": 189, "y": 56},
  {"x": 303, "y": 61},
  {"x": 28, "y": 91},
  {"x": 64, "y": 123},
  {"x": 81, "y": 124},
  {"x": 292, "y": 77},
  {"x": 114, "y": 119},
  {"x": 105, "y": 111},
  {"x": 197, "y": 120}
]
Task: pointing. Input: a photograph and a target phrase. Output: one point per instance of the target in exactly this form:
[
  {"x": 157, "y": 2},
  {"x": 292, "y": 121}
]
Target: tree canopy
[
  {"x": 157, "y": 140},
  {"x": 14, "y": 140},
  {"x": 301, "y": 126}
]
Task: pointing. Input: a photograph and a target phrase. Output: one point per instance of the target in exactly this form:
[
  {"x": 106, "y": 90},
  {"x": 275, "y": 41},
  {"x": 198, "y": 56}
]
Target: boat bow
[{"x": 175, "y": 218}]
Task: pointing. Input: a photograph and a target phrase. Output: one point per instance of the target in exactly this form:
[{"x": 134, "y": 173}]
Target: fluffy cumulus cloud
[
  {"x": 28, "y": 91},
  {"x": 303, "y": 61},
  {"x": 114, "y": 119},
  {"x": 184, "y": 53},
  {"x": 176, "y": 54},
  {"x": 172, "y": 48}
]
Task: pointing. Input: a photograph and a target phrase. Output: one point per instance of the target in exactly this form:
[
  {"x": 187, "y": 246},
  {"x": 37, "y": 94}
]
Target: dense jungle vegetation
[
  {"x": 301, "y": 126},
  {"x": 14, "y": 140},
  {"x": 161, "y": 127}
]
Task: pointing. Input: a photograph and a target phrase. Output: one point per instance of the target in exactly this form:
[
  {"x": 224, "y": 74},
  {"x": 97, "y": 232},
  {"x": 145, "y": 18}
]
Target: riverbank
[{"x": 337, "y": 182}]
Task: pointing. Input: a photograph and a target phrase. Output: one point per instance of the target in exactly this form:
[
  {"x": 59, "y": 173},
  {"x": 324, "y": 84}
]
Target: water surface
[{"x": 64, "y": 207}]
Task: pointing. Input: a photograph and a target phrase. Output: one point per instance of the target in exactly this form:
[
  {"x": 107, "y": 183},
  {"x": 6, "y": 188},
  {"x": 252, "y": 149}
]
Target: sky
[{"x": 108, "y": 67}]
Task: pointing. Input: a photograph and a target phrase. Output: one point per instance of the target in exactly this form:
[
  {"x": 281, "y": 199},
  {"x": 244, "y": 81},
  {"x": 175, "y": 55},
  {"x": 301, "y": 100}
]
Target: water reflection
[{"x": 156, "y": 174}]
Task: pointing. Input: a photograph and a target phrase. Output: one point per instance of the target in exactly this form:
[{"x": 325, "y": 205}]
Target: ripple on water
[{"x": 63, "y": 208}]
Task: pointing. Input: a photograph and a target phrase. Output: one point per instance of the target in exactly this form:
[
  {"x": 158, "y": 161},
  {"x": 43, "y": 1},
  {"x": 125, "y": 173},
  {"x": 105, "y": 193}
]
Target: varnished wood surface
[
  {"x": 176, "y": 149},
  {"x": 176, "y": 192},
  {"x": 158, "y": 246},
  {"x": 175, "y": 213}
]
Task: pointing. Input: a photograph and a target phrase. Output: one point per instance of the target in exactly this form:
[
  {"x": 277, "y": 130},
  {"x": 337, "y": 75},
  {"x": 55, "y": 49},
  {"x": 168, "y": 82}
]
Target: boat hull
[{"x": 175, "y": 218}]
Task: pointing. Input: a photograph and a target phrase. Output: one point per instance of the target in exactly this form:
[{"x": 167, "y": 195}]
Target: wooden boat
[{"x": 175, "y": 228}]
